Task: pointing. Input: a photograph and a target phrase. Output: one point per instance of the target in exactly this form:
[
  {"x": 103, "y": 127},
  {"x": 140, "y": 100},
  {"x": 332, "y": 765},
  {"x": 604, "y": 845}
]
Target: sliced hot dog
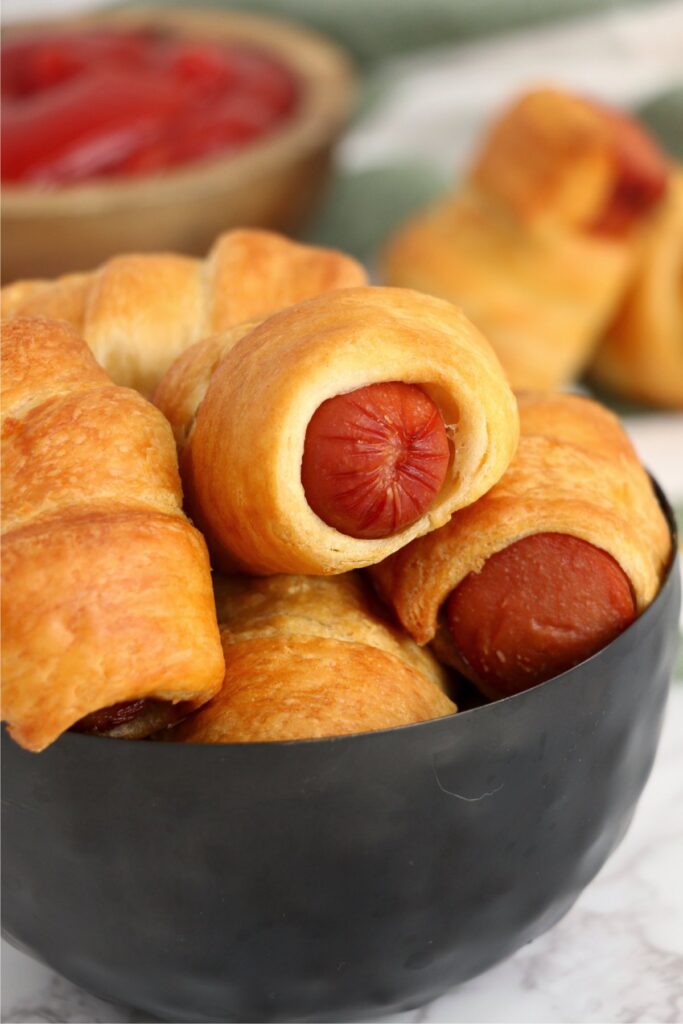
[
  {"x": 375, "y": 459},
  {"x": 537, "y": 608}
]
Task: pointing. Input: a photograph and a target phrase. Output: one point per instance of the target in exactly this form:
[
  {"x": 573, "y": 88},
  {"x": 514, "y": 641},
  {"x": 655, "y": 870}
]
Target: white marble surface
[{"x": 616, "y": 957}]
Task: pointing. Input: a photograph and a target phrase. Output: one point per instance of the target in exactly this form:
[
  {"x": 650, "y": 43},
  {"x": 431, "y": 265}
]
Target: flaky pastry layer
[
  {"x": 182, "y": 388},
  {"x": 575, "y": 472},
  {"x": 139, "y": 312},
  {"x": 642, "y": 354},
  {"x": 241, "y": 464},
  {"x": 516, "y": 245},
  {"x": 106, "y": 587},
  {"x": 541, "y": 295},
  {"x": 309, "y": 657}
]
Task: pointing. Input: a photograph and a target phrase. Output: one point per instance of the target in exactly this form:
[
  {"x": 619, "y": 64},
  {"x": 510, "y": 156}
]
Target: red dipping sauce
[{"x": 83, "y": 105}]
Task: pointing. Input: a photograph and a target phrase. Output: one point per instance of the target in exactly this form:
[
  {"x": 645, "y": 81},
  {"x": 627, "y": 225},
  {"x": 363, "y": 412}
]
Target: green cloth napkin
[
  {"x": 664, "y": 117},
  {"x": 361, "y": 208},
  {"x": 372, "y": 29}
]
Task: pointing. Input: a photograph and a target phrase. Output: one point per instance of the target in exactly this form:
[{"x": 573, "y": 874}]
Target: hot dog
[
  {"x": 554, "y": 157},
  {"x": 538, "y": 242},
  {"x": 641, "y": 176},
  {"x": 546, "y": 568},
  {"x": 641, "y": 356},
  {"x": 537, "y": 608},
  {"x": 375, "y": 459},
  {"x": 316, "y": 441},
  {"x": 104, "y": 720},
  {"x": 134, "y": 719}
]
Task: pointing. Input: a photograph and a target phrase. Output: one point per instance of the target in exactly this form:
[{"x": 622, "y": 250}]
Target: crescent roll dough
[
  {"x": 242, "y": 455},
  {"x": 139, "y": 312},
  {"x": 106, "y": 587},
  {"x": 642, "y": 355},
  {"x": 575, "y": 473},
  {"x": 537, "y": 244},
  {"x": 309, "y": 657},
  {"x": 182, "y": 388}
]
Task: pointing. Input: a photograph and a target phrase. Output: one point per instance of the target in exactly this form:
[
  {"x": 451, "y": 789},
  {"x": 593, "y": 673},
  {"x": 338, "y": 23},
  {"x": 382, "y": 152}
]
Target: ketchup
[{"x": 84, "y": 105}]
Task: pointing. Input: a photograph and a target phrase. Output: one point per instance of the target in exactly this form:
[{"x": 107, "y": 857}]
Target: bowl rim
[
  {"x": 324, "y": 72},
  {"x": 432, "y": 723}
]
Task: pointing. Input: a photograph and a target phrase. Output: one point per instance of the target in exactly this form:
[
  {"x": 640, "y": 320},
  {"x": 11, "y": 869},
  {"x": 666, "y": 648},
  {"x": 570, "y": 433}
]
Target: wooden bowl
[{"x": 272, "y": 183}]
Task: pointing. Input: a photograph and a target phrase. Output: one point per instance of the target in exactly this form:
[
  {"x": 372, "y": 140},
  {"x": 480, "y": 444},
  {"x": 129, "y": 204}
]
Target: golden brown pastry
[
  {"x": 308, "y": 657},
  {"x": 538, "y": 242},
  {"x": 183, "y": 386},
  {"x": 139, "y": 312},
  {"x": 550, "y": 565},
  {"x": 107, "y": 605},
  {"x": 642, "y": 354},
  {"x": 338, "y": 430}
]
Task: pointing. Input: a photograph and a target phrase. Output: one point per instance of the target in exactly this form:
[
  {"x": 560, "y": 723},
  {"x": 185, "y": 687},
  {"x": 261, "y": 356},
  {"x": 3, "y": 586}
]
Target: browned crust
[
  {"x": 310, "y": 657},
  {"x": 182, "y": 388},
  {"x": 517, "y": 245},
  {"x": 575, "y": 472},
  {"x": 641, "y": 356},
  {"x": 106, "y": 589},
  {"x": 138, "y": 313},
  {"x": 241, "y": 464},
  {"x": 553, "y": 155}
]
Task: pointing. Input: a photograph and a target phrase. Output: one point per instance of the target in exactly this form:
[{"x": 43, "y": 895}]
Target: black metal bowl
[{"x": 338, "y": 878}]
